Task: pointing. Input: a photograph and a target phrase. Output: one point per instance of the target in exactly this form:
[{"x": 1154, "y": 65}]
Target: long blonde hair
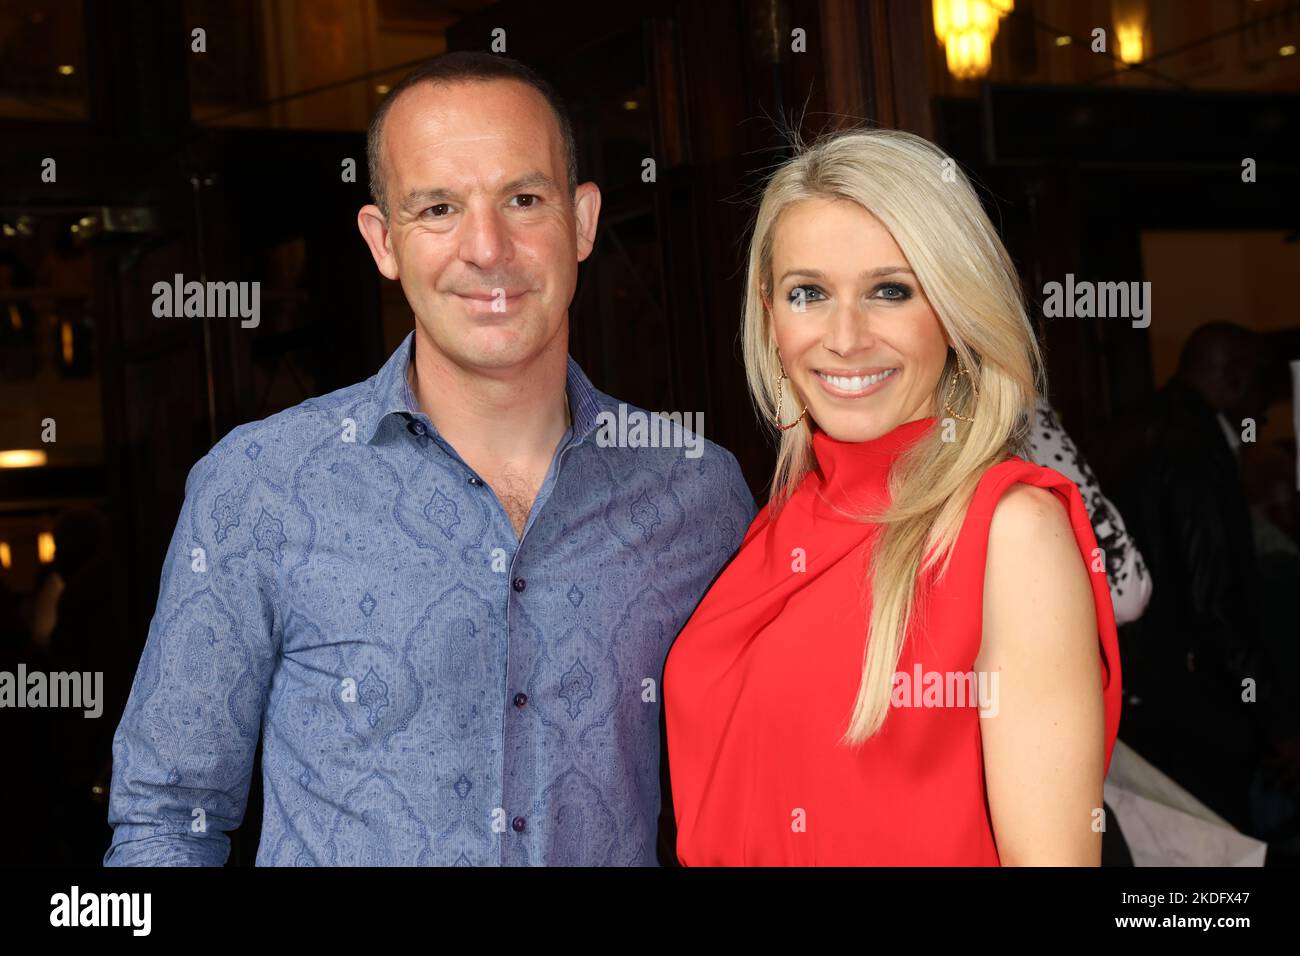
[{"x": 935, "y": 216}]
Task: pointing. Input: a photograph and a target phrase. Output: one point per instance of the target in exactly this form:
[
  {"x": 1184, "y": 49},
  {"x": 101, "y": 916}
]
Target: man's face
[{"x": 481, "y": 233}]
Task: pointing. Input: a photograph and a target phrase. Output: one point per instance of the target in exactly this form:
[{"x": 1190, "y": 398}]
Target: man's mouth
[
  {"x": 491, "y": 294},
  {"x": 497, "y": 300}
]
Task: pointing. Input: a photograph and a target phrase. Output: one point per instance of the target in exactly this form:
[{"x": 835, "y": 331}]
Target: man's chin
[{"x": 489, "y": 353}]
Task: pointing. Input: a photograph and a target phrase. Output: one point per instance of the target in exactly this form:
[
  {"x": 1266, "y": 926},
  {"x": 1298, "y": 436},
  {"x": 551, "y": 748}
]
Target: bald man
[{"x": 444, "y": 595}]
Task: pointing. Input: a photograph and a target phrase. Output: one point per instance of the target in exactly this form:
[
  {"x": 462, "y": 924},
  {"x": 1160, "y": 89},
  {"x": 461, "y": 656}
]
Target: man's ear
[
  {"x": 374, "y": 229},
  {"x": 586, "y": 207}
]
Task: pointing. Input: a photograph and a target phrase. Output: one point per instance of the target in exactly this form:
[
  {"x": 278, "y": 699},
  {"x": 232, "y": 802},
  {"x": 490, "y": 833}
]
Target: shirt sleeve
[
  {"x": 742, "y": 499},
  {"x": 183, "y": 751}
]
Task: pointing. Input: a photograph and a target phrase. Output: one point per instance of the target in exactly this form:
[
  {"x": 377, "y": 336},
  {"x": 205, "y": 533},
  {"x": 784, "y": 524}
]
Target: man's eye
[
  {"x": 438, "y": 210},
  {"x": 531, "y": 200}
]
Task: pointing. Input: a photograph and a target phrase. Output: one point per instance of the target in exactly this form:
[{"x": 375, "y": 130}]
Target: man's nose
[{"x": 485, "y": 238}]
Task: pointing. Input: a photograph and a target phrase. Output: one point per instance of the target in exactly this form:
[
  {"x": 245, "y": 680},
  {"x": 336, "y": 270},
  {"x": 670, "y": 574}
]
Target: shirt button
[
  {"x": 476, "y": 481},
  {"x": 518, "y": 824},
  {"x": 520, "y": 584},
  {"x": 416, "y": 428},
  {"x": 521, "y": 699}
]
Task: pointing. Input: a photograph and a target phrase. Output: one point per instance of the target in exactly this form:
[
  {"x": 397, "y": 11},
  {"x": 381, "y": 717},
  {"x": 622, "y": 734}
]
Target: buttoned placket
[{"x": 424, "y": 434}]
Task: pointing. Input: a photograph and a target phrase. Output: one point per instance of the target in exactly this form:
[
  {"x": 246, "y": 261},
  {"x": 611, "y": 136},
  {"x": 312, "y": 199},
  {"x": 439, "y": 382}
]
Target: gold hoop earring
[
  {"x": 780, "y": 396},
  {"x": 952, "y": 390}
]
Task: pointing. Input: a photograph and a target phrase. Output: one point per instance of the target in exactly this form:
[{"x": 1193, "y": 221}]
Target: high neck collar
[{"x": 855, "y": 474}]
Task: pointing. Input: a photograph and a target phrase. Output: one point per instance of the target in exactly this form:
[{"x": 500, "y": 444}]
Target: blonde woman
[{"x": 912, "y": 659}]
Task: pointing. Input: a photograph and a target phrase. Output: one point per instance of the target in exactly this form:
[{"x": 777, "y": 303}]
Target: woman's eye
[
  {"x": 894, "y": 291},
  {"x": 803, "y": 293}
]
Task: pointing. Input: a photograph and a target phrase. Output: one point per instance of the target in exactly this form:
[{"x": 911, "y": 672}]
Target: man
[
  {"x": 1186, "y": 658},
  {"x": 444, "y": 593}
]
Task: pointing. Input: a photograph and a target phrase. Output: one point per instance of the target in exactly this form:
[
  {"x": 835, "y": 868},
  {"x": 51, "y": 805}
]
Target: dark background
[{"x": 227, "y": 163}]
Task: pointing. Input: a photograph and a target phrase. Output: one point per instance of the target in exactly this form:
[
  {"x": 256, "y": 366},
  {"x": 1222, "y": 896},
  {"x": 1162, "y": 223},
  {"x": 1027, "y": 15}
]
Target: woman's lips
[{"x": 850, "y": 386}]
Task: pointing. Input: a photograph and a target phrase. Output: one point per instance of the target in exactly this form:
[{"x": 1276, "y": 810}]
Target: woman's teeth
[{"x": 857, "y": 383}]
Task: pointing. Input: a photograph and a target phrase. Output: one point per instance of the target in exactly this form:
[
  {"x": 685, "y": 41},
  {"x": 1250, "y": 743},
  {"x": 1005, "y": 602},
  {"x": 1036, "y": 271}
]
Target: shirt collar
[{"x": 390, "y": 395}]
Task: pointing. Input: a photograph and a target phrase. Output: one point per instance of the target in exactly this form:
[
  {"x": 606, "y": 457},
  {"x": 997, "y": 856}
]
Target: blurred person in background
[
  {"x": 1270, "y": 475},
  {"x": 1186, "y": 659}
]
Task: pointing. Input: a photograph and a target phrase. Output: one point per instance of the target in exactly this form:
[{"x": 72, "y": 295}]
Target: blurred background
[{"x": 127, "y": 156}]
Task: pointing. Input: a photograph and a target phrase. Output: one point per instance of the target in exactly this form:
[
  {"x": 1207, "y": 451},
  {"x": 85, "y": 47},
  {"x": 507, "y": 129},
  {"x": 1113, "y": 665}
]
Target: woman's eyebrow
[{"x": 864, "y": 274}]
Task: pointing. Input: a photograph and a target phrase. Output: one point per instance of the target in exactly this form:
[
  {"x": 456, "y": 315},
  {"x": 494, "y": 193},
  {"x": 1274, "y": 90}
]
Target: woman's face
[{"x": 856, "y": 335}]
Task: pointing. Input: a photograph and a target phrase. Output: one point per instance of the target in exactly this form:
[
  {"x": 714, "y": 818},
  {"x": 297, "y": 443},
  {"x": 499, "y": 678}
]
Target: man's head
[
  {"x": 478, "y": 212},
  {"x": 462, "y": 67},
  {"x": 1226, "y": 363}
]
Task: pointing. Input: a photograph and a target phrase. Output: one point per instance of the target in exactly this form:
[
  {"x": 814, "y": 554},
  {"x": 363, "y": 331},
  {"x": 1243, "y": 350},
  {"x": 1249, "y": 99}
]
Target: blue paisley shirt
[{"x": 430, "y": 688}]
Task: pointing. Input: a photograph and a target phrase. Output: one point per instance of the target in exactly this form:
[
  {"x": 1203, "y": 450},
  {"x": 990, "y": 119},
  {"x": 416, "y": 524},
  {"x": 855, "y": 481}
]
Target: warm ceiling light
[
  {"x": 382, "y": 89},
  {"x": 1288, "y": 50},
  {"x": 22, "y": 458},
  {"x": 1064, "y": 41},
  {"x": 45, "y": 547},
  {"x": 6, "y": 556},
  {"x": 1129, "y": 36},
  {"x": 966, "y": 29},
  {"x": 1130, "y": 18},
  {"x": 67, "y": 69},
  {"x": 630, "y": 104}
]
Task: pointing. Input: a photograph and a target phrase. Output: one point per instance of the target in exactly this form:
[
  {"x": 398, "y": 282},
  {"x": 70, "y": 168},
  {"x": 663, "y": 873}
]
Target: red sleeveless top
[{"x": 760, "y": 684}]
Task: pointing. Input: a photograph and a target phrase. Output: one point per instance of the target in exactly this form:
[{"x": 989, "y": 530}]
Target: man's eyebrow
[
  {"x": 534, "y": 180},
  {"x": 864, "y": 274},
  {"x": 420, "y": 198}
]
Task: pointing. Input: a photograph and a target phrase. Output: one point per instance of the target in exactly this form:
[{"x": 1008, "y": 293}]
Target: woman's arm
[
  {"x": 1130, "y": 582},
  {"x": 1044, "y": 751}
]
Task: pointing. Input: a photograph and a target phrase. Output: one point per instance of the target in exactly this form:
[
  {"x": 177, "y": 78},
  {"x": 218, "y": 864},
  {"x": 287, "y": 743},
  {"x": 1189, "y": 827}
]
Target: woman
[{"x": 886, "y": 338}]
